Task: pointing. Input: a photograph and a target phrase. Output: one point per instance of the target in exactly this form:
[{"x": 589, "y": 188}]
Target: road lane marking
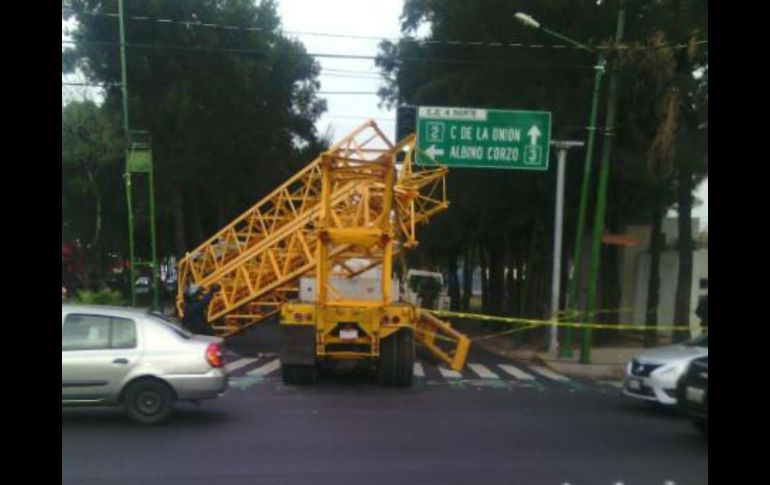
[
  {"x": 266, "y": 369},
  {"x": 448, "y": 373},
  {"x": 516, "y": 372},
  {"x": 548, "y": 373},
  {"x": 483, "y": 372},
  {"x": 235, "y": 365}
]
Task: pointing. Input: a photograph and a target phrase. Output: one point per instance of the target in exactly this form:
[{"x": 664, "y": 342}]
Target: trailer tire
[
  {"x": 397, "y": 359},
  {"x": 406, "y": 358}
]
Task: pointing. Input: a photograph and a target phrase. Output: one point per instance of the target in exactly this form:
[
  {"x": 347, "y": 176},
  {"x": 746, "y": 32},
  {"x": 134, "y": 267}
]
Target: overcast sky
[{"x": 374, "y": 18}]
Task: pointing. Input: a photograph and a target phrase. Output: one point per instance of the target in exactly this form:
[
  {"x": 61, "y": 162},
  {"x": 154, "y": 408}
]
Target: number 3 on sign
[{"x": 532, "y": 155}]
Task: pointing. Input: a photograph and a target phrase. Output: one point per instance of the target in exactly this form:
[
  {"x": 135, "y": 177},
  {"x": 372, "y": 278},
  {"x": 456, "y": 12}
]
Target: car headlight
[{"x": 672, "y": 370}]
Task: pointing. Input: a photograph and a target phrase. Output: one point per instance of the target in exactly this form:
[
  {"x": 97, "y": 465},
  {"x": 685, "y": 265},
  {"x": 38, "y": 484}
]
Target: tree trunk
[
  {"x": 685, "y": 249},
  {"x": 496, "y": 279},
  {"x": 609, "y": 281},
  {"x": 653, "y": 284},
  {"x": 454, "y": 283},
  {"x": 467, "y": 279},
  {"x": 177, "y": 215},
  {"x": 528, "y": 275},
  {"x": 510, "y": 287},
  {"x": 197, "y": 224},
  {"x": 484, "y": 280}
]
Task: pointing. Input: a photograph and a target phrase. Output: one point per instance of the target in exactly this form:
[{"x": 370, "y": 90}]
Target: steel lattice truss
[{"x": 259, "y": 257}]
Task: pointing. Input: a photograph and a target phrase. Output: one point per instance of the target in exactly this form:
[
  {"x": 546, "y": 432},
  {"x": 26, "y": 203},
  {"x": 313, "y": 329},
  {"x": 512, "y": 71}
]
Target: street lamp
[{"x": 527, "y": 20}]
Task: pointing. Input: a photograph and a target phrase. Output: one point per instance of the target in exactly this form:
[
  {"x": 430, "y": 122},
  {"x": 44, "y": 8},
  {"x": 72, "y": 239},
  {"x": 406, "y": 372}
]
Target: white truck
[{"x": 426, "y": 289}]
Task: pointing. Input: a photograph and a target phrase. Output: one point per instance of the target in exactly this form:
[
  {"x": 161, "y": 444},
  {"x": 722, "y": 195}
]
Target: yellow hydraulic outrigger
[{"x": 350, "y": 205}]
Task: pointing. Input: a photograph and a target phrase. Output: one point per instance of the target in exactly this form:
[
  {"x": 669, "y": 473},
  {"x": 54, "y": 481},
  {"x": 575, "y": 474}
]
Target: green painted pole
[
  {"x": 154, "y": 269},
  {"x": 565, "y": 350},
  {"x": 601, "y": 200},
  {"x": 127, "y": 137}
]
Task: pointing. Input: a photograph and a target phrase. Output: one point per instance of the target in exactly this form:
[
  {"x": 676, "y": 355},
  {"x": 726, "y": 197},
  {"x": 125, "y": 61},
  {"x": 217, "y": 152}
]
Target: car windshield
[
  {"x": 163, "y": 320},
  {"x": 702, "y": 341}
]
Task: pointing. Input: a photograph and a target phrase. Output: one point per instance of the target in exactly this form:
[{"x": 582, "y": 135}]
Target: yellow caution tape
[{"x": 549, "y": 323}]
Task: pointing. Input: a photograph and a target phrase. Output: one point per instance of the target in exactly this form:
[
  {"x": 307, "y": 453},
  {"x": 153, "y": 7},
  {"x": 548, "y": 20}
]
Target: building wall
[{"x": 635, "y": 277}]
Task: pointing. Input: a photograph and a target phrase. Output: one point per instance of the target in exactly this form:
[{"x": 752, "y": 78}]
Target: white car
[{"x": 652, "y": 375}]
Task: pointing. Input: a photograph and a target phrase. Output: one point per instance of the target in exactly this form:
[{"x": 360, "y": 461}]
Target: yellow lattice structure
[{"x": 258, "y": 257}]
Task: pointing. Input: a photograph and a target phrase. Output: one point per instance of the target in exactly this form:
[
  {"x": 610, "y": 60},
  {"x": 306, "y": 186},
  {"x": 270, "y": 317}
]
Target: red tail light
[
  {"x": 298, "y": 317},
  {"x": 214, "y": 355},
  {"x": 396, "y": 319}
]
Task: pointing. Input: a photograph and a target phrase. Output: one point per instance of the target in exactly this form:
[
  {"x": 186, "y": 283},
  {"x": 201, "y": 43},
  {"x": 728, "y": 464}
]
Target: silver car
[
  {"x": 114, "y": 356},
  {"x": 653, "y": 374}
]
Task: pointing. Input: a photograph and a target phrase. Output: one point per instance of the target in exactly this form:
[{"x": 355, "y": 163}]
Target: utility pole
[
  {"x": 601, "y": 199},
  {"x": 562, "y": 147}
]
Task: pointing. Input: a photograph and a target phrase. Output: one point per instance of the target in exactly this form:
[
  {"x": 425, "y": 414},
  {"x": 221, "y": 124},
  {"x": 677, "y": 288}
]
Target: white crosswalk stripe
[
  {"x": 240, "y": 363},
  {"x": 418, "y": 370},
  {"x": 266, "y": 369},
  {"x": 449, "y": 373},
  {"x": 483, "y": 372},
  {"x": 516, "y": 372},
  {"x": 548, "y": 373}
]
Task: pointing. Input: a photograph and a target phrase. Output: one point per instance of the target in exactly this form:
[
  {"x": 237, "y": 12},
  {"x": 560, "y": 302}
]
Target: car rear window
[{"x": 161, "y": 319}]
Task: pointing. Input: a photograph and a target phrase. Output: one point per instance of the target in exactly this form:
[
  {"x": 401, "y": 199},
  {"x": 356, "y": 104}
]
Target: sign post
[
  {"x": 483, "y": 138},
  {"x": 562, "y": 147}
]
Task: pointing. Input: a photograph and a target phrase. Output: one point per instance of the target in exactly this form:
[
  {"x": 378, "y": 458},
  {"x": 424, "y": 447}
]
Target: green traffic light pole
[{"x": 565, "y": 350}]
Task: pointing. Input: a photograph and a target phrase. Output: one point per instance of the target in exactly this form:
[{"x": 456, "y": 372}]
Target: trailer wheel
[
  {"x": 299, "y": 374},
  {"x": 397, "y": 359},
  {"x": 406, "y": 358}
]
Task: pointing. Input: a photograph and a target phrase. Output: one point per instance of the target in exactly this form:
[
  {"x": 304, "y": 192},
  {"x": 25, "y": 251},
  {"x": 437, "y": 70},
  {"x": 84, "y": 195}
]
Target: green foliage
[
  {"x": 231, "y": 112},
  {"x": 512, "y": 211},
  {"x": 102, "y": 297}
]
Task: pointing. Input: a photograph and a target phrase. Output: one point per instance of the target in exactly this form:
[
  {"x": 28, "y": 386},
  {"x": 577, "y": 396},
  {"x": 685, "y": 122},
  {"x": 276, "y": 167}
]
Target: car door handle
[{"x": 120, "y": 361}]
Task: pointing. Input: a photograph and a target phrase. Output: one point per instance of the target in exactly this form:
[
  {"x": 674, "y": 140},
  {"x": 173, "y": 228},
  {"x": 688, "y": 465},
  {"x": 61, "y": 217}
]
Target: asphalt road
[{"x": 508, "y": 425}]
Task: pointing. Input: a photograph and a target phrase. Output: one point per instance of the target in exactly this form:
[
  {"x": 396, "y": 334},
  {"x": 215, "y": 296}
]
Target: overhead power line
[
  {"x": 470, "y": 43},
  {"x": 445, "y": 60}
]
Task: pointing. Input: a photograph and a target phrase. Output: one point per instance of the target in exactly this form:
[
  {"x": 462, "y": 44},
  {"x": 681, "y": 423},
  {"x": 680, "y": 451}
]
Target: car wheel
[{"x": 148, "y": 402}]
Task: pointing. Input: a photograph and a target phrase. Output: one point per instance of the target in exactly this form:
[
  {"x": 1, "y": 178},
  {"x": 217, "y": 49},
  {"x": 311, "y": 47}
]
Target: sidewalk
[{"x": 607, "y": 363}]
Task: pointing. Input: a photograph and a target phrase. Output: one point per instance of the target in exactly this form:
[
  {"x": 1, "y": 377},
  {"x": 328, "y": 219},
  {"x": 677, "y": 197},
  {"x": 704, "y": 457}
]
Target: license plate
[
  {"x": 695, "y": 395},
  {"x": 634, "y": 384},
  {"x": 349, "y": 334}
]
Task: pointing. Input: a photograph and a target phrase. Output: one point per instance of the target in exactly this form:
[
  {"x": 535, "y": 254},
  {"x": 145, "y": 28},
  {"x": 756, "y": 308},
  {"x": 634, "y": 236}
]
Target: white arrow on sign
[
  {"x": 533, "y": 134},
  {"x": 432, "y": 151}
]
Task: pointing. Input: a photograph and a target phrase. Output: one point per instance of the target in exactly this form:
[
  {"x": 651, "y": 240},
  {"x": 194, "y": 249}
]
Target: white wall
[{"x": 669, "y": 267}]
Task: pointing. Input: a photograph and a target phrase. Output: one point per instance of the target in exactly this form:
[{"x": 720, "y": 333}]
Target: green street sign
[{"x": 483, "y": 138}]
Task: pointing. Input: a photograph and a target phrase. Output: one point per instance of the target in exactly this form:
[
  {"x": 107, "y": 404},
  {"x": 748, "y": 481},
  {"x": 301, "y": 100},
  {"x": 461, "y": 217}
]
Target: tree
[
  {"x": 463, "y": 61},
  {"x": 91, "y": 152},
  {"x": 677, "y": 154},
  {"x": 231, "y": 111}
]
